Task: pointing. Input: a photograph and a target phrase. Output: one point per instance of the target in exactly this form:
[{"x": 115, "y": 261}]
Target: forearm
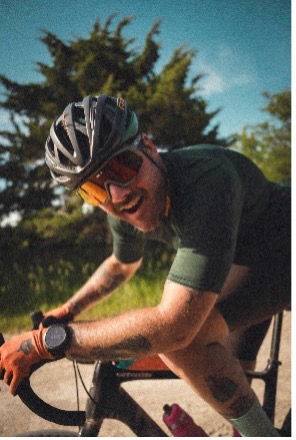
[
  {"x": 140, "y": 332},
  {"x": 110, "y": 275},
  {"x": 116, "y": 338}
]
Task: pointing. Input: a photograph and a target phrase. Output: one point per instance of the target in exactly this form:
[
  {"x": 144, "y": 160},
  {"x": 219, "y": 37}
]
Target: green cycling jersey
[{"x": 218, "y": 196}]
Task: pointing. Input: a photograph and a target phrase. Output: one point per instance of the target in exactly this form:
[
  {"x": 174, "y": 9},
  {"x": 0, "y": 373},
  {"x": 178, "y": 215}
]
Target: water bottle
[
  {"x": 235, "y": 433},
  {"x": 180, "y": 423}
]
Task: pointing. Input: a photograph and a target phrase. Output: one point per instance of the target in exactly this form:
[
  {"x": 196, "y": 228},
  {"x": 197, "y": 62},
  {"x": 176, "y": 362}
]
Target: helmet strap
[{"x": 147, "y": 153}]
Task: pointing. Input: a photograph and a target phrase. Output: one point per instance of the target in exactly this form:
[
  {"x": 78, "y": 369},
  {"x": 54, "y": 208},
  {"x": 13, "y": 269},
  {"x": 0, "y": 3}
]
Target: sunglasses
[{"x": 120, "y": 170}]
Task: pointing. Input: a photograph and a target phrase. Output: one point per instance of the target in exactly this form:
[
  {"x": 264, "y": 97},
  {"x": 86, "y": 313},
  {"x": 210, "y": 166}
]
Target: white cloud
[
  {"x": 225, "y": 70},
  {"x": 213, "y": 82},
  {"x": 243, "y": 78}
]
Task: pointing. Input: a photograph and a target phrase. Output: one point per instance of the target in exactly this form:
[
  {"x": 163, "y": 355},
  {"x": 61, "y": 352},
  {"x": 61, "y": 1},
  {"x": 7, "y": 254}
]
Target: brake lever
[{"x": 36, "y": 318}]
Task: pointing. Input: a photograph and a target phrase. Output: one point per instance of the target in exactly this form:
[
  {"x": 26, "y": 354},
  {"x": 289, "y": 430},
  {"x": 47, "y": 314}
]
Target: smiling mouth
[{"x": 132, "y": 209}]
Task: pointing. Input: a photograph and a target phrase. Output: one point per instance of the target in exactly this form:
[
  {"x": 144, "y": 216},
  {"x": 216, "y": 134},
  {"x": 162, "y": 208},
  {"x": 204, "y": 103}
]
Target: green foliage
[
  {"x": 45, "y": 258},
  {"x": 269, "y": 143}
]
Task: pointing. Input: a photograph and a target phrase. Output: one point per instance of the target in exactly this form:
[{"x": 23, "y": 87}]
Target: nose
[{"x": 118, "y": 193}]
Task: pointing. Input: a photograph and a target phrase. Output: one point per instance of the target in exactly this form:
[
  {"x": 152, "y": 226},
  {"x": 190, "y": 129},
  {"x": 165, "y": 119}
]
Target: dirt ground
[{"x": 57, "y": 382}]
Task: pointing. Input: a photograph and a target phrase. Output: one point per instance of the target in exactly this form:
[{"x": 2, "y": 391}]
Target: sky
[{"x": 243, "y": 46}]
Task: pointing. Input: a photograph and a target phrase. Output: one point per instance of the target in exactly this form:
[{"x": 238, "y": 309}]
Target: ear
[{"x": 148, "y": 143}]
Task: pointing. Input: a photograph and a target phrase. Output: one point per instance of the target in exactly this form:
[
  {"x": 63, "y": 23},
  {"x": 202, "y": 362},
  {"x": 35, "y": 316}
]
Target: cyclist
[{"x": 231, "y": 272}]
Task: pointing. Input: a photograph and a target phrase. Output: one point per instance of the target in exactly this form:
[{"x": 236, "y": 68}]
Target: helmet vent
[{"x": 63, "y": 135}]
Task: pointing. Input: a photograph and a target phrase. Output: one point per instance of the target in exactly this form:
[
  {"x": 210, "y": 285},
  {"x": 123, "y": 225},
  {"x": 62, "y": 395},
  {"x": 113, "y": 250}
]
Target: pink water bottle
[{"x": 180, "y": 423}]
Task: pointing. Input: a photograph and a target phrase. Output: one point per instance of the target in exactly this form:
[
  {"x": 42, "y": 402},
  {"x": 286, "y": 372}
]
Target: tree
[
  {"x": 103, "y": 62},
  {"x": 269, "y": 143},
  {"x": 170, "y": 110}
]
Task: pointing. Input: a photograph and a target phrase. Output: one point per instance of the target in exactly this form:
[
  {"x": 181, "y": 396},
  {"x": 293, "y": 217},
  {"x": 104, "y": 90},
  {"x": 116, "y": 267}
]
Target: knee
[
  {"x": 214, "y": 330},
  {"x": 211, "y": 336}
]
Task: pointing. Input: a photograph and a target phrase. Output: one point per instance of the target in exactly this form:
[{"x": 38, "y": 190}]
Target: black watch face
[{"x": 55, "y": 337}]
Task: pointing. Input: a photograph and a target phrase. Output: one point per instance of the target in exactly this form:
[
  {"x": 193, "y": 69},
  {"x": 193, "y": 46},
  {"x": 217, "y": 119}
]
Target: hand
[
  {"x": 19, "y": 354},
  {"x": 60, "y": 315}
]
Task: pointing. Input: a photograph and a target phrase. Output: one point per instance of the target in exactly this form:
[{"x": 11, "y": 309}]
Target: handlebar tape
[
  {"x": 37, "y": 405},
  {"x": 46, "y": 411},
  {"x": 43, "y": 409}
]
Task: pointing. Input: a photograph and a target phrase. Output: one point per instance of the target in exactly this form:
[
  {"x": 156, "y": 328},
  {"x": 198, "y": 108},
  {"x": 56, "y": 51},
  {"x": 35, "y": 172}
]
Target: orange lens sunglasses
[{"x": 120, "y": 170}]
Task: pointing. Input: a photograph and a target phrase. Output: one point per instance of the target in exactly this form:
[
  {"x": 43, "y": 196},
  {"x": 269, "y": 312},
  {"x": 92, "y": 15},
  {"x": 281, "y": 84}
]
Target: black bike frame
[{"x": 270, "y": 374}]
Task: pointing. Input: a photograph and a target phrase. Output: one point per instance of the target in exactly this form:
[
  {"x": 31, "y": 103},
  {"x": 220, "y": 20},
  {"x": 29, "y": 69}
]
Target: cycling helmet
[{"x": 86, "y": 136}]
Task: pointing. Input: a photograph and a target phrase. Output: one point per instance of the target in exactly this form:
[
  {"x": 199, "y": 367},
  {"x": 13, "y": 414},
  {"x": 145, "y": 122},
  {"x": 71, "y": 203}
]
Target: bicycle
[{"x": 108, "y": 400}]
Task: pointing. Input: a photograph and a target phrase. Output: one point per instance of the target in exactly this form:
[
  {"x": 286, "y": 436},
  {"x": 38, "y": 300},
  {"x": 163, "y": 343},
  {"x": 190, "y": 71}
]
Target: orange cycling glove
[
  {"x": 19, "y": 354},
  {"x": 61, "y": 315}
]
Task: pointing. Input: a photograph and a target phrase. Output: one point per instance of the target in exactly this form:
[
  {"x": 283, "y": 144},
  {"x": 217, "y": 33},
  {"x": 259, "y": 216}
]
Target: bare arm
[
  {"x": 168, "y": 326},
  {"x": 107, "y": 278}
]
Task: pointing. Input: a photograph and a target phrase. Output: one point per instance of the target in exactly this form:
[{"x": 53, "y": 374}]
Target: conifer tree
[{"x": 168, "y": 106}]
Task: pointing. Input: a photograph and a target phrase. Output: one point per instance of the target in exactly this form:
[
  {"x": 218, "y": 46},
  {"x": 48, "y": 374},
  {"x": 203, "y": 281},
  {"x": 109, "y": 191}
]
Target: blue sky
[{"x": 243, "y": 46}]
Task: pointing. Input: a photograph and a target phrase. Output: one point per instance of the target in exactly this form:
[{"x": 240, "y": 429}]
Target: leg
[
  {"x": 215, "y": 374},
  {"x": 251, "y": 296},
  {"x": 246, "y": 343},
  {"x": 209, "y": 367},
  {"x": 219, "y": 378},
  {"x": 245, "y": 346}
]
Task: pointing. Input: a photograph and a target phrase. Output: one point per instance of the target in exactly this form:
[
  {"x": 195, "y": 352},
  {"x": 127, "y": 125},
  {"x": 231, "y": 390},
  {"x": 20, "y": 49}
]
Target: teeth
[
  {"x": 130, "y": 205},
  {"x": 133, "y": 206}
]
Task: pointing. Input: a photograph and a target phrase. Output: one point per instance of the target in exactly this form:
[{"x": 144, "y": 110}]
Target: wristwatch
[{"x": 57, "y": 340}]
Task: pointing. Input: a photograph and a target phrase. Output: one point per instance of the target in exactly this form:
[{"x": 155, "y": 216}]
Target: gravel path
[{"x": 152, "y": 395}]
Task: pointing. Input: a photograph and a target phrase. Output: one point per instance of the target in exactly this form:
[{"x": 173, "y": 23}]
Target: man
[{"x": 231, "y": 231}]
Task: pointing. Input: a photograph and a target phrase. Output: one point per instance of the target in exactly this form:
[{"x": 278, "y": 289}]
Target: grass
[
  {"x": 141, "y": 291},
  {"x": 137, "y": 293}
]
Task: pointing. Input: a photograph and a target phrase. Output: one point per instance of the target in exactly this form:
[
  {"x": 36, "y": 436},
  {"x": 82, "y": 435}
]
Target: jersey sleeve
[
  {"x": 128, "y": 244},
  {"x": 211, "y": 210}
]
